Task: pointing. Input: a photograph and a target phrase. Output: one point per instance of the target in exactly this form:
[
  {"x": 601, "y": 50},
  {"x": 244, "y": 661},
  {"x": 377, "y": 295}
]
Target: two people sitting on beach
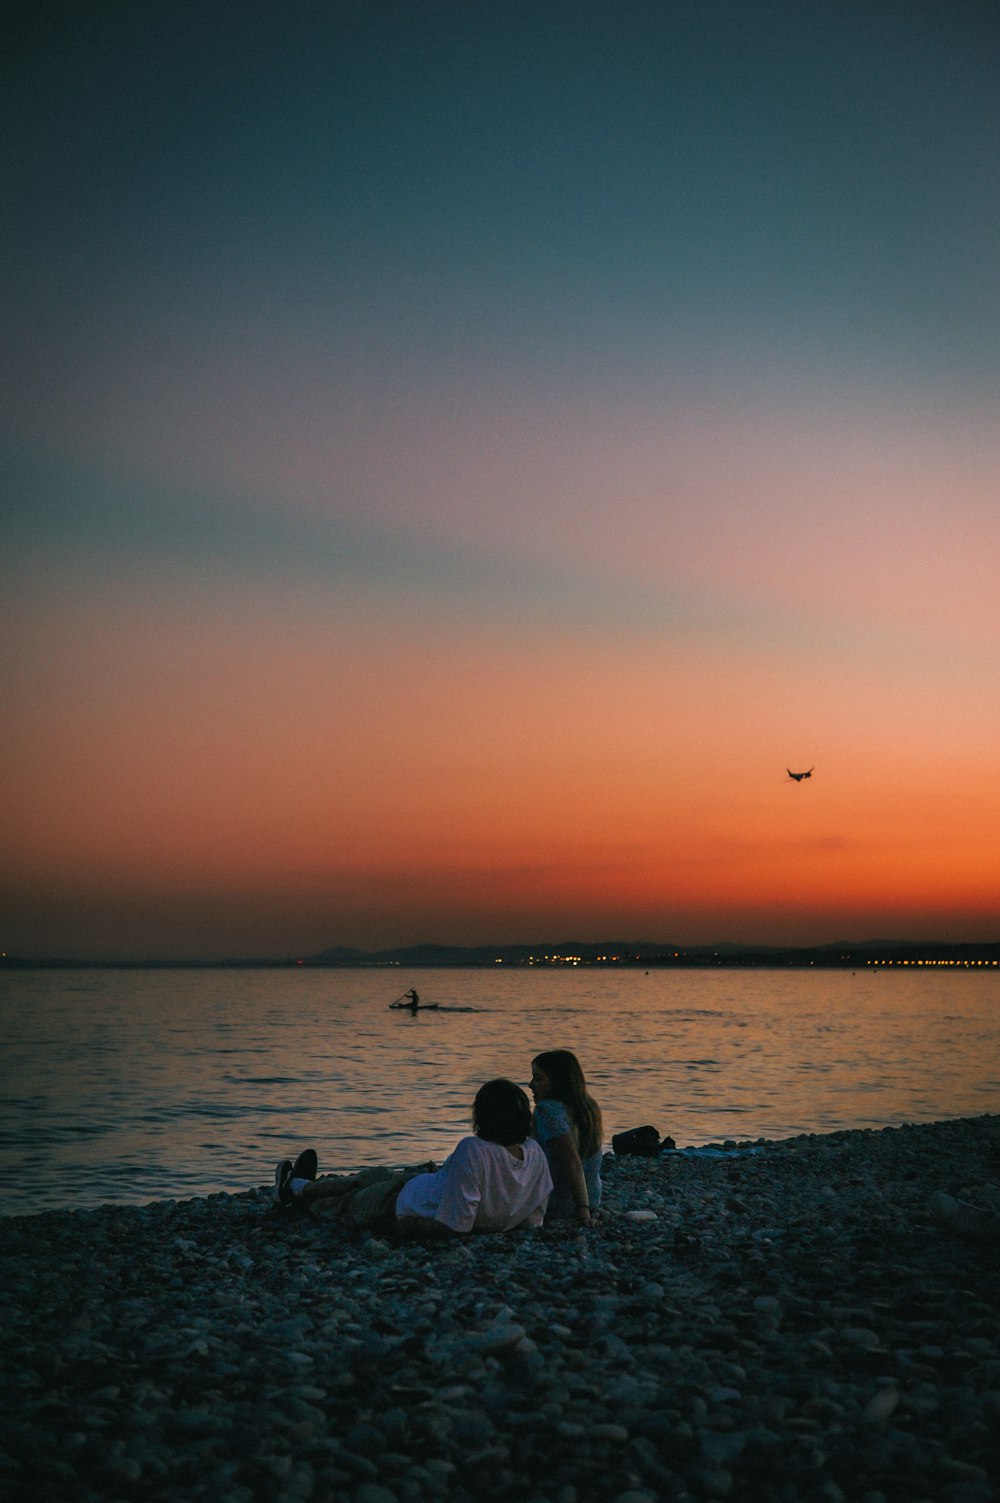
[
  {"x": 517, "y": 1169},
  {"x": 494, "y": 1181}
]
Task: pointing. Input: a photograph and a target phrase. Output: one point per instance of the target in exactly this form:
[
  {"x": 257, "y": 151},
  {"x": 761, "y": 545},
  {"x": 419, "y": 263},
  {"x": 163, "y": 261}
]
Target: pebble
[
  {"x": 881, "y": 1405},
  {"x": 790, "y": 1325}
]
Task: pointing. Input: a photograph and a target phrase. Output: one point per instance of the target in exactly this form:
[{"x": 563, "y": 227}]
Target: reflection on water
[{"x": 136, "y": 1085}]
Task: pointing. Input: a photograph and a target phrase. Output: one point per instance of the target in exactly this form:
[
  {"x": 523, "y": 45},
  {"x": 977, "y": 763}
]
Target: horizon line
[{"x": 566, "y": 952}]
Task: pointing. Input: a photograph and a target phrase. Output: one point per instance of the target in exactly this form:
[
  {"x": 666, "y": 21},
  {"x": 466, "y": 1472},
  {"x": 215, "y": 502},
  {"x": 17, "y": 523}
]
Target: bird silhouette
[{"x": 798, "y": 776}]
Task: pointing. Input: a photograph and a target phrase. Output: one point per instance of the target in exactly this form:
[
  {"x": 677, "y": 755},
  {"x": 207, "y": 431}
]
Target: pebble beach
[{"x": 777, "y": 1325}]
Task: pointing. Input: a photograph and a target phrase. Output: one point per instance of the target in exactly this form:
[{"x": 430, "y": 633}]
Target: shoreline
[
  {"x": 778, "y": 1325},
  {"x": 186, "y": 1196}
]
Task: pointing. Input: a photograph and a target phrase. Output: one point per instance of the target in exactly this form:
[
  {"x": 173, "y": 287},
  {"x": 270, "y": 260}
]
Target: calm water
[{"x": 121, "y": 1086}]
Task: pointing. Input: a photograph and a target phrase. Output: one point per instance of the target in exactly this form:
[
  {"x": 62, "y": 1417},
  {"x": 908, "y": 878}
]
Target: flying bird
[{"x": 798, "y": 776}]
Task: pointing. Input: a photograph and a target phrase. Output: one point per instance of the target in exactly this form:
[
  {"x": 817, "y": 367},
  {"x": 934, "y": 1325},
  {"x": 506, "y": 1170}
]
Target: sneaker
[
  {"x": 306, "y": 1165},
  {"x": 282, "y": 1183}
]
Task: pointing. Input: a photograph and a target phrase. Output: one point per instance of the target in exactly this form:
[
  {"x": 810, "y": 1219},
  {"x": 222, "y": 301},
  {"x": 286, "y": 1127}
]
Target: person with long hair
[
  {"x": 494, "y": 1181},
  {"x": 568, "y": 1125}
]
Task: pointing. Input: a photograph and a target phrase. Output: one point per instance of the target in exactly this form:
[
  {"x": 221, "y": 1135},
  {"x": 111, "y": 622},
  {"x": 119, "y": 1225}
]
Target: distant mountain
[
  {"x": 477, "y": 955},
  {"x": 844, "y": 953}
]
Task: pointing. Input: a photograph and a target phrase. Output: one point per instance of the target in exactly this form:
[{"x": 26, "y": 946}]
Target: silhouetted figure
[{"x": 410, "y": 1002}]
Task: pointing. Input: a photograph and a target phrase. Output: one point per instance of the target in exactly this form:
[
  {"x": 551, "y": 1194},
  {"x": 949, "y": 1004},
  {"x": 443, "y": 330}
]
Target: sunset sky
[{"x": 456, "y": 457}]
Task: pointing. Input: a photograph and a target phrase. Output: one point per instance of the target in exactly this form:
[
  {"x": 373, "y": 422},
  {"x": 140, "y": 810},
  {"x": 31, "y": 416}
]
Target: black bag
[{"x": 644, "y": 1141}]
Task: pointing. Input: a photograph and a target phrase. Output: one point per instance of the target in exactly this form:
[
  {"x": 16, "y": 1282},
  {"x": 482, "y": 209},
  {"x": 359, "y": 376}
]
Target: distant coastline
[{"x": 845, "y": 955}]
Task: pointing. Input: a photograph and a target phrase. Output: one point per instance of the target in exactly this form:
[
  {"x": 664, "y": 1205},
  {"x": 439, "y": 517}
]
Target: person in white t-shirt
[{"x": 494, "y": 1181}]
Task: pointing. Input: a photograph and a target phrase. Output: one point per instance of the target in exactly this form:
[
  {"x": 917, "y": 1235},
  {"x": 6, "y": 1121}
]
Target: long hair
[
  {"x": 501, "y": 1113},
  {"x": 568, "y": 1086}
]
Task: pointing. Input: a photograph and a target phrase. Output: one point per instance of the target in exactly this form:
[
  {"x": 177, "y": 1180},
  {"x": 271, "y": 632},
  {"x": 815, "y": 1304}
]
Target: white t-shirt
[{"x": 481, "y": 1187}]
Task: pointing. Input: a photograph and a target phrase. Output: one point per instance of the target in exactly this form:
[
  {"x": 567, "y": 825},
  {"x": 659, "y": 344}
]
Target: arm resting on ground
[{"x": 567, "y": 1158}]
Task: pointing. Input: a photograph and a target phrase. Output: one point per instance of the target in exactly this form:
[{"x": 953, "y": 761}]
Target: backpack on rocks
[{"x": 644, "y": 1141}]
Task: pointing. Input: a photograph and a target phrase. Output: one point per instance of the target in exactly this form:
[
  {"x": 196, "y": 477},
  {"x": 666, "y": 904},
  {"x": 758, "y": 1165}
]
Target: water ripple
[{"x": 140, "y": 1085}]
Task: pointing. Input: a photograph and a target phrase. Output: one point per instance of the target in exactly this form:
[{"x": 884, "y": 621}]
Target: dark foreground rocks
[{"x": 787, "y": 1325}]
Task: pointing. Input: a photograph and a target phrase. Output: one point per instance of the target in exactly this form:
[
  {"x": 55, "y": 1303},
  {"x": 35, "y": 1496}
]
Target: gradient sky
[{"x": 456, "y": 457}]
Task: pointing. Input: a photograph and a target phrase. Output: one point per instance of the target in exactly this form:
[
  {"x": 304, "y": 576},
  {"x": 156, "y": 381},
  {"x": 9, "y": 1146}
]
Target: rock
[
  {"x": 365, "y": 1440},
  {"x": 721, "y": 1449},
  {"x": 881, "y": 1405},
  {"x": 860, "y": 1336},
  {"x": 374, "y": 1492}
]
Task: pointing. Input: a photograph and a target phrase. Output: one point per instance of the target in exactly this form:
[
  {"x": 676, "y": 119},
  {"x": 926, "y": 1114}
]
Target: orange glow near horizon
[{"x": 348, "y": 778}]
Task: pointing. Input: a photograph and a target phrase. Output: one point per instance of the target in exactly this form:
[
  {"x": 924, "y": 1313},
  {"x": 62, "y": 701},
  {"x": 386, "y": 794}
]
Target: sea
[{"x": 128, "y": 1086}]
